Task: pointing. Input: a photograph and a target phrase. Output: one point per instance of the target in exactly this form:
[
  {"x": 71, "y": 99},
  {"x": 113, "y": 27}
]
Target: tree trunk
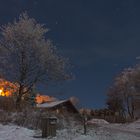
[
  {"x": 19, "y": 98},
  {"x": 130, "y": 107},
  {"x": 18, "y": 103}
]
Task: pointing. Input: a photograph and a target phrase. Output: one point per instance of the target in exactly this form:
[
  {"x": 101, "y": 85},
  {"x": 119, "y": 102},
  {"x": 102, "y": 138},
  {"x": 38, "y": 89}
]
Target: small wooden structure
[
  {"x": 59, "y": 107},
  {"x": 49, "y": 127}
]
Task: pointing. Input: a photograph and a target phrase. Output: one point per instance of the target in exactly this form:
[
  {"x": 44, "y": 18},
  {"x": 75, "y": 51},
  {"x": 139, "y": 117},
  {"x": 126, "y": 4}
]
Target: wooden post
[{"x": 85, "y": 124}]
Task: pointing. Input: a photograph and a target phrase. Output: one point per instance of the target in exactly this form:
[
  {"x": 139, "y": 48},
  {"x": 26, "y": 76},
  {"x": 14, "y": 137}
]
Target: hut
[{"x": 61, "y": 106}]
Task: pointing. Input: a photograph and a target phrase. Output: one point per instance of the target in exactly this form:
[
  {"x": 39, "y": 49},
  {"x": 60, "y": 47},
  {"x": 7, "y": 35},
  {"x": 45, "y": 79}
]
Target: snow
[
  {"x": 135, "y": 125},
  {"x": 11, "y": 132},
  {"x": 133, "y": 128},
  {"x": 98, "y": 122},
  {"x": 103, "y": 132},
  {"x": 52, "y": 104}
]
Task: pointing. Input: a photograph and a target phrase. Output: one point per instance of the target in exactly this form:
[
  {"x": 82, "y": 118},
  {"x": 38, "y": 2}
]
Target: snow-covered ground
[
  {"x": 102, "y": 132},
  {"x": 12, "y": 132}
]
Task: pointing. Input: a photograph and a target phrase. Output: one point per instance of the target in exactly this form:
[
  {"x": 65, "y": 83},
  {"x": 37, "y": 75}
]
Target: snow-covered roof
[{"x": 51, "y": 104}]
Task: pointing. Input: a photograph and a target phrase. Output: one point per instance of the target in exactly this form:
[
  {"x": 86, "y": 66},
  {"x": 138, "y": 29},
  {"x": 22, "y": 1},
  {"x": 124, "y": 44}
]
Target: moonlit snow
[{"x": 103, "y": 132}]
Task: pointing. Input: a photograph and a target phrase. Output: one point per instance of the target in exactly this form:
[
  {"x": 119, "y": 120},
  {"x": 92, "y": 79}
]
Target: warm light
[
  {"x": 44, "y": 98},
  {"x": 0, "y": 91},
  {"x": 7, "y": 88}
]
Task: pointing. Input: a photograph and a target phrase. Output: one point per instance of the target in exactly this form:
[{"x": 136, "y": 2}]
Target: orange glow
[
  {"x": 44, "y": 98},
  {"x": 7, "y": 88}
]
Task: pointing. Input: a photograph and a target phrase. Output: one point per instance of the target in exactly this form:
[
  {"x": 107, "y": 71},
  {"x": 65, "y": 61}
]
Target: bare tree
[
  {"x": 125, "y": 89},
  {"x": 27, "y": 57}
]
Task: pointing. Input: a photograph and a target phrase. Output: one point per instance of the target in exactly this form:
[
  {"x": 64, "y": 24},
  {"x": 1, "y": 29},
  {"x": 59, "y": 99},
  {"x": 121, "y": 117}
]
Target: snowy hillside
[{"x": 104, "y": 132}]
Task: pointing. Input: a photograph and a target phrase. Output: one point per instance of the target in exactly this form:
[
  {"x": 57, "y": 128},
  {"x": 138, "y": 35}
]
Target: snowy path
[
  {"x": 117, "y": 130},
  {"x": 132, "y": 128}
]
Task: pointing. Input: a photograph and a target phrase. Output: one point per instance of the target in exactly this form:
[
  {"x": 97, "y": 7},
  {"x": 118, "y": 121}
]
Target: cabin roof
[
  {"x": 52, "y": 104},
  {"x": 56, "y": 104}
]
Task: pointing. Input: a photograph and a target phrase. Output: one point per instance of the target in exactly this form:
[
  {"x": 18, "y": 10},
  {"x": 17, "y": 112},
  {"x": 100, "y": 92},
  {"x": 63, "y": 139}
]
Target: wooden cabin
[{"x": 61, "y": 106}]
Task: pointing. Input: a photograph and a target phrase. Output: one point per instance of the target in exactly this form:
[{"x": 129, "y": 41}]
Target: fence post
[{"x": 85, "y": 124}]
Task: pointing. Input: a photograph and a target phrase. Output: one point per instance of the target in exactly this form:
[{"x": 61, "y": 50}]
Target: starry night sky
[{"x": 100, "y": 37}]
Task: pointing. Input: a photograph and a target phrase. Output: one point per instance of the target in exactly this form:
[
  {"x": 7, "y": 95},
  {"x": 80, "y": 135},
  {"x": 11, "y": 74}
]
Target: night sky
[{"x": 100, "y": 37}]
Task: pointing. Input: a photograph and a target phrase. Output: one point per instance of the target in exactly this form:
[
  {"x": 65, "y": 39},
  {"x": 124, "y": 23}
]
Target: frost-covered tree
[
  {"x": 124, "y": 91},
  {"x": 27, "y": 57},
  {"x": 115, "y": 101}
]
